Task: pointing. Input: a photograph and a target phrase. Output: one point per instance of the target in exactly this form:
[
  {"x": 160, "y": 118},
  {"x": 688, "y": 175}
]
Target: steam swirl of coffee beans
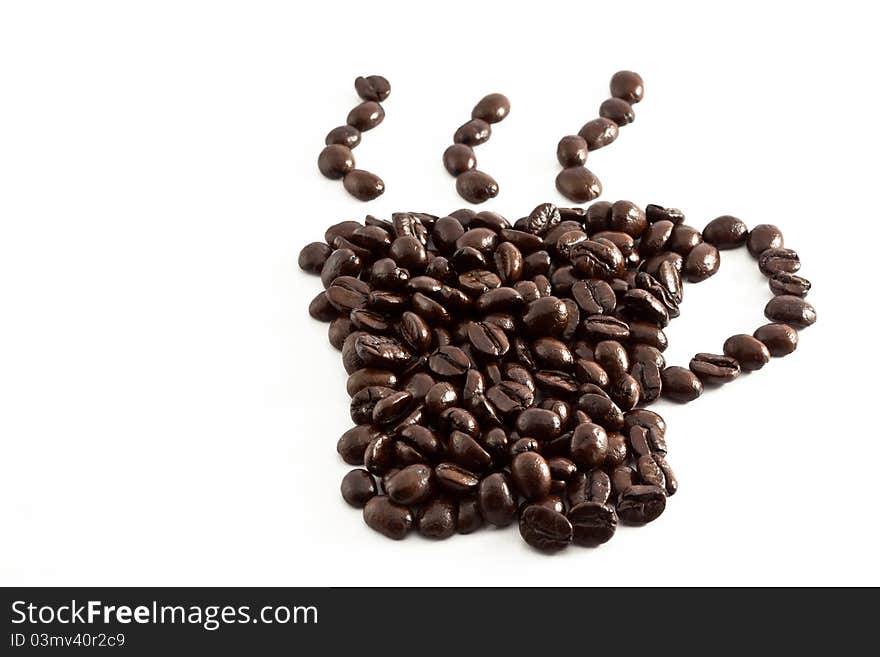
[
  {"x": 499, "y": 373},
  {"x": 575, "y": 182},
  {"x": 473, "y": 185},
  {"x": 337, "y": 159}
]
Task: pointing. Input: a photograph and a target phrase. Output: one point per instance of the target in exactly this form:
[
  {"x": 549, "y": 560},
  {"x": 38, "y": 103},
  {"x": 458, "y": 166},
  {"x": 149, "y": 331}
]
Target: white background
[{"x": 168, "y": 410}]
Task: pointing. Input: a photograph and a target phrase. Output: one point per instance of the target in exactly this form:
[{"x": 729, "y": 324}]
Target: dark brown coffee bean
[
  {"x": 713, "y": 368},
  {"x": 347, "y": 293},
  {"x": 388, "y": 518},
  {"x": 391, "y": 408},
  {"x": 639, "y": 505},
  {"x": 598, "y": 260},
  {"x": 491, "y": 108},
  {"x": 551, "y": 354},
  {"x": 642, "y": 305},
  {"x": 599, "y": 132},
  {"x": 646, "y": 309},
  {"x": 647, "y": 375},
  {"x": 448, "y": 362},
  {"x": 702, "y": 262},
  {"x": 469, "y": 518},
  {"x": 478, "y": 281},
  {"x": 578, "y": 184},
  {"x": 617, "y": 110},
  {"x": 459, "y": 158},
  {"x": 496, "y": 500},
  {"x": 456, "y": 479},
  {"x": 488, "y": 339},
  {"x": 335, "y": 161},
  {"x": 656, "y": 212},
  {"x": 572, "y": 151},
  {"x": 669, "y": 479},
  {"x": 780, "y": 339},
  {"x": 339, "y": 329},
  {"x": 342, "y": 262},
  {"x": 431, "y": 311},
  {"x": 344, "y": 135},
  {"x": 476, "y": 186},
  {"x": 322, "y": 309},
  {"x": 363, "y": 185},
  {"x": 367, "y": 377},
  {"x": 593, "y": 523},
  {"x": 644, "y": 353},
  {"x": 604, "y": 327},
  {"x": 372, "y": 87},
  {"x": 467, "y": 452},
  {"x": 790, "y": 310},
  {"x": 440, "y": 397},
  {"x": 439, "y": 518},
  {"x": 379, "y": 456},
  {"x": 669, "y": 276},
  {"x": 763, "y": 237},
  {"x": 683, "y": 239},
  {"x": 612, "y": 356},
  {"x": 412, "y": 485},
  {"x": 364, "y": 401},
  {"x": 775, "y": 261},
  {"x": 546, "y": 316},
  {"x": 358, "y": 487},
  {"x": 531, "y": 475},
  {"x": 313, "y": 256},
  {"x": 510, "y": 397},
  {"x": 749, "y": 352},
  {"x": 458, "y": 419},
  {"x": 588, "y": 371},
  {"x": 473, "y": 133},
  {"x": 785, "y": 283},
  {"x": 544, "y": 529},
  {"x": 655, "y": 237},
  {"x": 628, "y": 86},
  {"x": 680, "y": 384},
  {"x": 649, "y": 334},
  {"x": 594, "y": 296},
  {"x": 366, "y": 116},
  {"x": 541, "y": 219},
  {"x": 589, "y": 445},
  {"x": 381, "y": 352},
  {"x": 650, "y": 472},
  {"x": 351, "y": 361},
  {"x": 353, "y": 443},
  {"x": 601, "y": 410},
  {"x": 726, "y": 232},
  {"x": 627, "y": 217}
]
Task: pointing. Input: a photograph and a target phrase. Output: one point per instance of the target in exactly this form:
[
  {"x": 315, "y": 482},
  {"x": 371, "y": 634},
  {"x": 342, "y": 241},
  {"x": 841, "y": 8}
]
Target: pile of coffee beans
[
  {"x": 473, "y": 185},
  {"x": 575, "y": 182},
  {"x": 499, "y": 373},
  {"x": 336, "y": 161}
]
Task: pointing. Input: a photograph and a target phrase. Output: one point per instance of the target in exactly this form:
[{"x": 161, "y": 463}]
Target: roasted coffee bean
[
  {"x": 369, "y": 320},
  {"x": 530, "y": 475},
  {"x": 647, "y": 376},
  {"x": 763, "y": 237},
  {"x": 640, "y": 504},
  {"x": 431, "y": 311},
  {"x": 612, "y": 356},
  {"x": 775, "y": 261},
  {"x": 379, "y": 455},
  {"x": 423, "y": 440},
  {"x": 347, "y": 293},
  {"x": 528, "y": 291},
  {"x": 467, "y": 452},
  {"x": 749, "y": 352},
  {"x": 642, "y": 305},
  {"x": 386, "y": 275},
  {"x": 588, "y": 371},
  {"x": 353, "y": 443},
  {"x": 655, "y": 237},
  {"x": 391, "y": 408},
  {"x": 556, "y": 382},
  {"x": 313, "y": 256},
  {"x": 322, "y": 309},
  {"x": 537, "y": 264},
  {"x": 669, "y": 479},
  {"x": 372, "y": 238},
  {"x": 617, "y": 110},
  {"x": 645, "y": 307},
  {"x": 469, "y": 518},
  {"x": 488, "y": 339},
  {"x": 594, "y": 296},
  {"x": 714, "y": 368},
  {"x": 335, "y": 161},
  {"x": 358, "y": 487},
  {"x": 601, "y": 410},
  {"x": 571, "y": 151},
  {"x": 726, "y": 232},
  {"x": 448, "y": 362},
  {"x": 593, "y": 523},
  {"x": 539, "y": 423},
  {"x": 508, "y": 263},
  {"x": 478, "y": 281},
  {"x": 647, "y": 333},
  {"x": 388, "y": 518},
  {"x": 544, "y": 528},
  {"x": 589, "y": 445},
  {"x": 790, "y": 310},
  {"x": 669, "y": 276},
  {"x": 363, "y": 185},
  {"x": 628, "y": 86},
  {"x": 351, "y": 361},
  {"x": 409, "y": 224},
  {"x": 627, "y": 217},
  {"x": 604, "y": 327},
  {"x": 342, "y": 262},
  {"x": 439, "y": 518},
  {"x": 644, "y": 353},
  {"x": 683, "y": 239},
  {"x": 366, "y": 116},
  {"x": 542, "y": 218},
  {"x": 364, "y": 401},
  {"x": 482, "y": 239},
  {"x": 440, "y": 397},
  {"x": 496, "y": 500},
  {"x": 475, "y": 186},
  {"x": 458, "y": 419},
  {"x": 650, "y": 472},
  {"x": 446, "y": 231},
  {"x": 367, "y": 377},
  {"x": 680, "y": 384},
  {"x": 408, "y": 252},
  {"x": 598, "y": 260},
  {"x": 344, "y": 135},
  {"x": 372, "y": 87},
  {"x": 786, "y": 283},
  {"x": 343, "y": 229},
  {"x": 427, "y": 285},
  {"x": 599, "y": 132},
  {"x": 578, "y": 184},
  {"x": 702, "y": 262},
  {"x": 339, "y": 329},
  {"x": 524, "y": 445},
  {"x": 652, "y": 265},
  {"x": 553, "y": 354},
  {"x": 780, "y": 339},
  {"x": 412, "y": 485},
  {"x": 491, "y": 108},
  {"x": 655, "y": 213},
  {"x": 510, "y": 397},
  {"x": 642, "y": 417},
  {"x": 546, "y": 316},
  {"x": 473, "y": 133},
  {"x": 381, "y": 352},
  {"x": 415, "y": 332},
  {"x": 456, "y": 479}
]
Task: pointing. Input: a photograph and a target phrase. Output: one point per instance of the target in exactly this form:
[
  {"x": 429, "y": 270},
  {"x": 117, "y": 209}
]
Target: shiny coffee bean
[
  {"x": 381, "y": 352},
  {"x": 344, "y": 135},
  {"x": 366, "y": 116},
  {"x": 335, "y": 161},
  {"x": 439, "y": 518},
  {"x": 496, "y": 500},
  {"x": 628, "y": 86},
  {"x": 589, "y": 371},
  {"x": 353, "y": 443},
  {"x": 645, "y": 353},
  {"x": 701, "y": 263},
  {"x": 641, "y": 504},
  {"x": 763, "y": 237},
  {"x": 603, "y": 327},
  {"x": 539, "y": 423},
  {"x": 467, "y": 452},
  {"x": 714, "y": 368},
  {"x": 546, "y": 316},
  {"x": 647, "y": 333},
  {"x": 469, "y": 518},
  {"x": 358, "y": 487},
  {"x": 372, "y": 87},
  {"x": 655, "y": 213},
  {"x": 473, "y": 133},
  {"x": 749, "y": 352},
  {"x": 491, "y": 108},
  {"x": 683, "y": 239},
  {"x": 599, "y": 132},
  {"x": 578, "y": 184},
  {"x": 391, "y": 408},
  {"x": 726, "y": 232},
  {"x": 790, "y": 310},
  {"x": 669, "y": 479},
  {"x": 594, "y": 296},
  {"x": 455, "y": 479},
  {"x": 572, "y": 151},
  {"x": 655, "y": 237},
  {"x": 786, "y": 283},
  {"x": 627, "y": 217},
  {"x": 459, "y": 158},
  {"x": 589, "y": 445},
  {"x": 593, "y": 523},
  {"x": 680, "y": 384},
  {"x": 642, "y": 305},
  {"x": 367, "y": 377},
  {"x": 388, "y": 518},
  {"x": 602, "y": 410},
  {"x": 322, "y": 309},
  {"x": 476, "y": 186},
  {"x": 775, "y": 261},
  {"x": 544, "y": 529},
  {"x": 412, "y": 485},
  {"x": 339, "y": 329},
  {"x": 647, "y": 376},
  {"x": 780, "y": 339},
  {"x": 617, "y": 110},
  {"x": 342, "y": 262},
  {"x": 313, "y": 256},
  {"x": 613, "y": 358},
  {"x": 363, "y": 185},
  {"x": 530, "y": 475}
]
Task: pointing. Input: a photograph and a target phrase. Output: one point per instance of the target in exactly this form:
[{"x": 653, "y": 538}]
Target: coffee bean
[
  {"x": 367, "y": 377},
  {"x": 572, "y": 151},
  {"x": 391, "y": 408},
  {"x": 578, "y": 184},
  {"x": 669, "y": 276},
  {"x": 775, "y": 261},
  {"x": 641, "y": 504},
  {"x": 363, "y": 185},
  {"x": 598, "y": 260},
  {"x": 546, "y": 316},
  {"x": 313, "y": 256},
  {"x": 344, "y": 135},
  {"x": 589, "y": 445},
  {"x": 469, "y": 518},
  {"x": 594, "y": 296},
  {"x": 339, "y": 329},
  {"x": 628, "y": 86},
  {"x": 628, "y": 218},
  {"x": 467, "y": 452},
  {"x": 531, "y": 475},
  {"x": 321, "y": 309},
  {"x": 551, "y": 353},
  {"x": 476, "y": 186},
  {"x": 601, "y": 410},
  {"x": 589, "y": 371},
  {"x": 790, "y": 310},
  {"x": 381, "y": 352},
  {"x": 439, "y": 518},
  {"x": 612, "y": 356},
  {"x": 647, "y": 333},
  {"x": 702, "y": 262},
  {"x": 713, "y": 368},
  {"x": 342, "y": 262},
  {"x": 650, "y": 472},
  {"x": 379, "y": 455},
  {"x": 491, "y": 108},
  {"x": 593, "y": 523},
  {"x": 358, "y": 487},
  {"x": 641, "y": 304},
  {"x": 455, "y": 479},
  {"x": 598, "y": 133},
  {"x": 647, "y": 375},
  {"x": 353, "y": 443},
  {"x": 655, "y": 237},
  {"x": 473, "y": 133},
  {"x": 749, "y": 352},
  {"x": 617, "y": 110},
  {"x": 366, "y": 116},
  {"x": 496, "y": 500},
  {"x": 388, "y": 518},
  {"x": 655, "y": 213},
  {"x": 780, "y": 339},
  {"x": 726, "y": 232},
  {"x": 544, "y": 529},
  {"x": 459, "y": 158},
  {"x": 680, "y": 384},
  {"x": 683, "y": 239},
  {"x": 786, "y": 283},
  {"x": 763, "y": 237},
  {"x": 412, "y": 485},
  {"x": 372, "y": 87},
  {"x": 603, "y": 327},
  {"x": 335, "y": 161}
]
